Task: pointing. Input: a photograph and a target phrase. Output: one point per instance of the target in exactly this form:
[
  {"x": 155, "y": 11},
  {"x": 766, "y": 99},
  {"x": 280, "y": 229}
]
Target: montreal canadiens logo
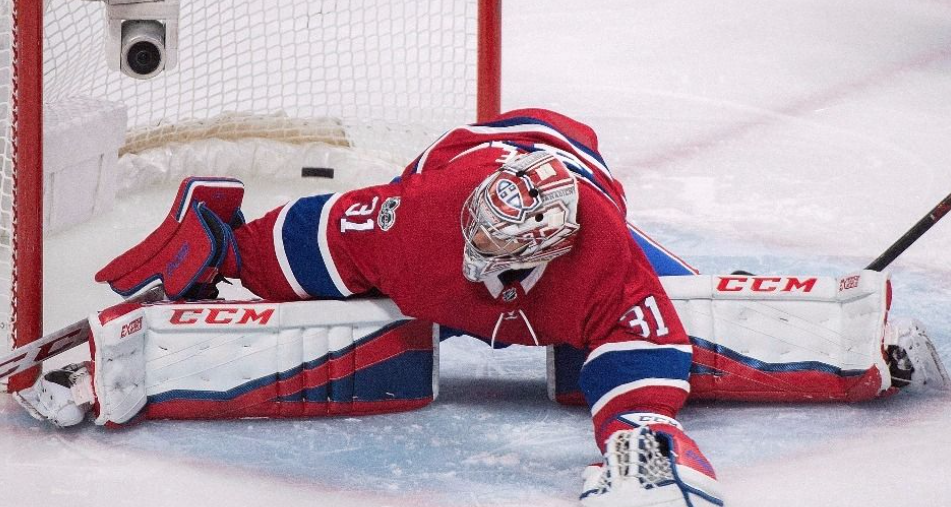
[{"x": 510, "y": 197}]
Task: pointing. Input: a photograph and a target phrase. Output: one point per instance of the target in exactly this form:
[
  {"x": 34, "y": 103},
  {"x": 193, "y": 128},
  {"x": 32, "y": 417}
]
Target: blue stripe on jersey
[
  {"x": 774, "y": 367},
  {"x": 584, "y": 172},
  {"x": 663, "y": 262},
  {"x": 302, "y": 248},
  {"x": 612, "y": 369},
  {"x": 523, "y": 120}
]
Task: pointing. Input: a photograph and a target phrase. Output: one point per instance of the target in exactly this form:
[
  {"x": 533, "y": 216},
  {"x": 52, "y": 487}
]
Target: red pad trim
[
  {"x": 662, "y": 400},
  {"x": 740, "y": 382},
  {"x": 264, "y": 401}
]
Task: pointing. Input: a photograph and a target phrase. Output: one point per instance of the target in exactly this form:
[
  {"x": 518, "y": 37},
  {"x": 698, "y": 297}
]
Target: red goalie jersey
[{"x": 403, "y": 240}]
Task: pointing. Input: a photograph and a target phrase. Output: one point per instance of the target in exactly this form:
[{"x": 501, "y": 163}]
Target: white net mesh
[
  {"x": 392, "y": 73},
  {"x": 385, "y": 78}
]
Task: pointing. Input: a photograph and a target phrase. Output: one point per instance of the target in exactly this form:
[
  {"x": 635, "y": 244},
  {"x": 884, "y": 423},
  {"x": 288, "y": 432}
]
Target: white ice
[{"x": 778, "y": 137}]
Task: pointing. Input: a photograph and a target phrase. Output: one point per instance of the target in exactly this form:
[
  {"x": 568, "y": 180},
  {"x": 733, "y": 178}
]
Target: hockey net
[{"x": 380, "y": 78}]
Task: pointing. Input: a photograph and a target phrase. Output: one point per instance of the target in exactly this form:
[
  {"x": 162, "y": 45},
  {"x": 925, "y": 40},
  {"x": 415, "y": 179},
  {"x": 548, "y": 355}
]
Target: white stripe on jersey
[
  {"x": 325, "y": 248},
  {"x": 278, "y": 235},
  {"x": 637, "y": 384},
  {"x": 425, "y": 155},
  {"x": 532, "y": 127}
]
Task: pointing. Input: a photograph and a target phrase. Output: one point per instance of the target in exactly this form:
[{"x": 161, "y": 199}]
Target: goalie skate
[
  {"x": 62, "y": 396},
  {"x": 913, "y": 361}
]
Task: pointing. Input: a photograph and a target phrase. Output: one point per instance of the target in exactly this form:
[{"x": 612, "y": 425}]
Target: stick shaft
[
  {"x": 34, "y": 353},
  {"x": 911, "y": 235}
]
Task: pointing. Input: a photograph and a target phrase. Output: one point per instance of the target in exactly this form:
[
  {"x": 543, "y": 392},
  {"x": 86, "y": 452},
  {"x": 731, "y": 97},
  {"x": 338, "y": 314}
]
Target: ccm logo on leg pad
[{"x": 221, "y": 316}]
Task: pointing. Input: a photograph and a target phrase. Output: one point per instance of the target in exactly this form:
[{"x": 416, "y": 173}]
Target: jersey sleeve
[
  {"x": 321, "y": 246},
  {"x": 641, "y": 361}
]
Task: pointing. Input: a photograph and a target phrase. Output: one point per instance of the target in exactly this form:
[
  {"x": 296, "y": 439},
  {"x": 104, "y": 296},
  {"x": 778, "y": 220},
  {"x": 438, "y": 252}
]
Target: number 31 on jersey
[
  {"x": 355, "y": 221},
  {"x": 645, "y": 320}
]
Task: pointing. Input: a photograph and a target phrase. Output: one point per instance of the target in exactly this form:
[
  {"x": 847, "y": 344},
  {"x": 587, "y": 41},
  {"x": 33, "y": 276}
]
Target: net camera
[
  {"x": 142, "y": 50},
  {"x": 142, "y": 36}
]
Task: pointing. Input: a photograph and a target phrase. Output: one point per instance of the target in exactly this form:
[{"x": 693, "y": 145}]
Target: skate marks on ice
[
  {"x": 784, "y": 125},
  {"x": 897, "y": 456}
]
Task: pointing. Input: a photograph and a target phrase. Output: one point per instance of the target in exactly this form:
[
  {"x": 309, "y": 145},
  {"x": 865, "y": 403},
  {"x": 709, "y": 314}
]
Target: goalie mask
[{"x": 522, "y": 216}]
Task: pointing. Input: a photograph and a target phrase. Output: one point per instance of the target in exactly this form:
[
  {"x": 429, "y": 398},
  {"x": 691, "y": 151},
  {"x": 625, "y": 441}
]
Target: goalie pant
[{"x": 225, "y": 360}]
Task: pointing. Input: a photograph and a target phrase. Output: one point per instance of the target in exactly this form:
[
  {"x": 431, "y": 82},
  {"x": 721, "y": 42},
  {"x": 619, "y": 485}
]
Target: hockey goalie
[{"x": 512, "y": 231}]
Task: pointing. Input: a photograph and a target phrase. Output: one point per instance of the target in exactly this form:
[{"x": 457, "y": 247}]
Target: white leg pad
[
  {"x": 785, "y": 338},
  {"x": 258, "y": 359},
  {"x": 119, "y": 371}
]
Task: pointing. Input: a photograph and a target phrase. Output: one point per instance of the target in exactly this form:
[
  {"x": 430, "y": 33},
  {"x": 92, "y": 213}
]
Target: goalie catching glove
[
  {"x": 650, "y": 461},
  {"x": 190, "y": 249}
]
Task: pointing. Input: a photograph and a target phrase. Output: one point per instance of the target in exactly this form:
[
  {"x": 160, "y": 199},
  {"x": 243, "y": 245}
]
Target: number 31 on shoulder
[{"x": 354, "y": 221}]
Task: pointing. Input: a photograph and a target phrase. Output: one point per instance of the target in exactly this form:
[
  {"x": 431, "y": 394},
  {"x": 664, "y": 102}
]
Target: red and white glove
[
  {"x": 650, "y": 461},
  {"x": 190, "y": 249}
]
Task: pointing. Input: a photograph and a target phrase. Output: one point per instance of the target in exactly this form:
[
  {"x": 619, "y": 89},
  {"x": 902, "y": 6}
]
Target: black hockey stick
[{"x": 912, "y": 235}]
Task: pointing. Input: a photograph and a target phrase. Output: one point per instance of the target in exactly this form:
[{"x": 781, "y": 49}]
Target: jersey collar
[{"x": 495, "y": 285}]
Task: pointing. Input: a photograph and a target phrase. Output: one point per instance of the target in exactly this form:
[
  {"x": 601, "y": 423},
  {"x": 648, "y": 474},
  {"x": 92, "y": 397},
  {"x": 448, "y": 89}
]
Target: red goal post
[
  {"x": 51, "y": 51},
  {"x": 23, "y": 175}
]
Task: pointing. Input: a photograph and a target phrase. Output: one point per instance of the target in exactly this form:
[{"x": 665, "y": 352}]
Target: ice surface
[{"x": 778, "y": 137}]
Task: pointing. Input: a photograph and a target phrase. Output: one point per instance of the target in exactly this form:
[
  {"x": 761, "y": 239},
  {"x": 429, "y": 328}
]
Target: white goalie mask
[{"x": 522, "y": 216}]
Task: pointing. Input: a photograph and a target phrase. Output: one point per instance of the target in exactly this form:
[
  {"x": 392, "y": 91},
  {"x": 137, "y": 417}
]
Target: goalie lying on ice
[{"x": 545, "y": 257}]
